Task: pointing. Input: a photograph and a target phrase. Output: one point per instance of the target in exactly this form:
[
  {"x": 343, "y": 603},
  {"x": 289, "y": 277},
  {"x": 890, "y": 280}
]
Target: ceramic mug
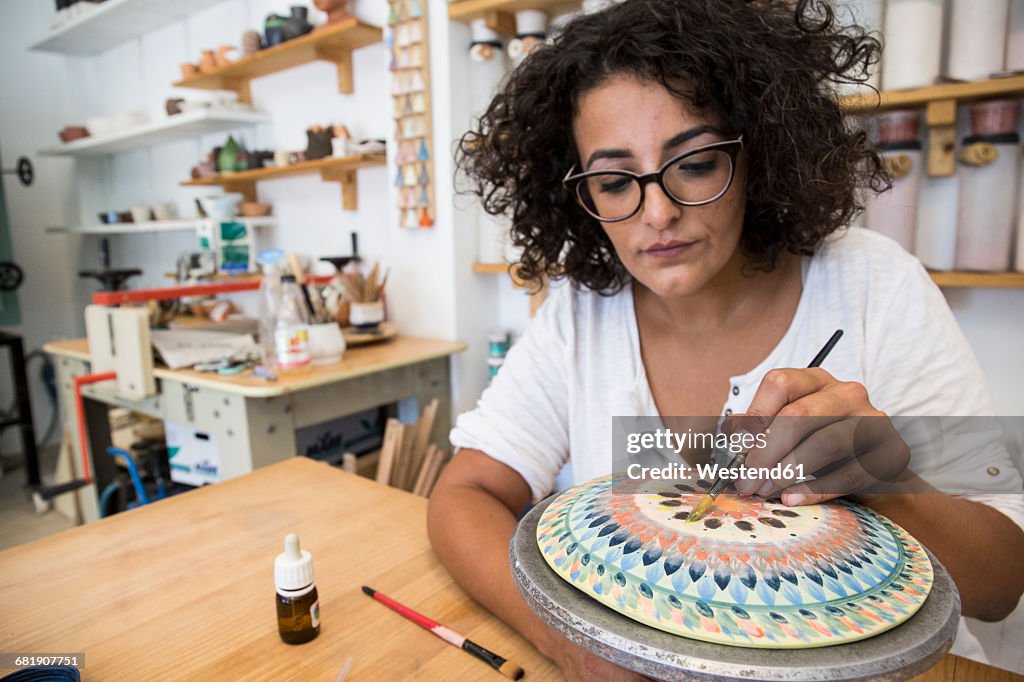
[
  {"x": 141, "y": 214},
  {"x": 366, "y": 314},
  {"x": 164, "y": 210},
  {"x": 326, "y": 343},
  {"x": 282, "y": 158}
]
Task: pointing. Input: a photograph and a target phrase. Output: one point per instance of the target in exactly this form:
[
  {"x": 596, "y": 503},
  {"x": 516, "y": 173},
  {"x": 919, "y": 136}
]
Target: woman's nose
[{"x": 659, "y": 211}]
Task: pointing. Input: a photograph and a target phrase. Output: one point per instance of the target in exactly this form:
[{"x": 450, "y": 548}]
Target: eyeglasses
[{"x": 694, "y": 178}]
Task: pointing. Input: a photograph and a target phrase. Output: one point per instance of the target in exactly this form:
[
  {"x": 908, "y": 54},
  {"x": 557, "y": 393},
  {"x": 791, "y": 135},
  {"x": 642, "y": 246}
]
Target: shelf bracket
[
  {"x": 349, "y": 186},
  {"x": 343, "y": 60},
  {"x": 246, "y": 188},
  {"x": 502, "y": 22},
  {"x": 941, "y": 118}
]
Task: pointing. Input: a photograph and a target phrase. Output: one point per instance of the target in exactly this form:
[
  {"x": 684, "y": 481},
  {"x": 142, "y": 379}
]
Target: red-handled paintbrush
[{"x": 506, "y": 668}]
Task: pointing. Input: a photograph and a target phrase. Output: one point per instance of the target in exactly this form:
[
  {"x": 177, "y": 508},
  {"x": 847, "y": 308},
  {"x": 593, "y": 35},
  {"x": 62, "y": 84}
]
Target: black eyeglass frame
[{"x": 731, "y": 147}]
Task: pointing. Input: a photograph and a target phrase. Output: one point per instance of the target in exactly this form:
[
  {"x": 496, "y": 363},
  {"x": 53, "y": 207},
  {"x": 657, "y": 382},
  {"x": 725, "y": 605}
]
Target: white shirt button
[{"x": 735, "y": 390}]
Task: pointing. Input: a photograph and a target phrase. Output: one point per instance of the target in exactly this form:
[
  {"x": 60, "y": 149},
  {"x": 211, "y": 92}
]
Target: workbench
[
  {"x": 183, "y": 589},
  {"x": 254, "y": 421}
]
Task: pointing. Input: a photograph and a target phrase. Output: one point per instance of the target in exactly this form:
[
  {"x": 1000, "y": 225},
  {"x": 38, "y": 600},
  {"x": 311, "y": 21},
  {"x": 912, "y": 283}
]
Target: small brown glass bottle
[{"x": 298, "y": 605}]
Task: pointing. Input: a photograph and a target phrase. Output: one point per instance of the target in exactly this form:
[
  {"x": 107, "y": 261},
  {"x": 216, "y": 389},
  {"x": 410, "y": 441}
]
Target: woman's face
[{"x": 628, "y": 124}]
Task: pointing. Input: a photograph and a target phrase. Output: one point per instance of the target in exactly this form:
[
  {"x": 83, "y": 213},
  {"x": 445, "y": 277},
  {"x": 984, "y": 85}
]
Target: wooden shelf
[
  {"x": 980, "y": 280},
  {"x": 331, "y": 169},
  {"x": 493, "y": 10},
  {"x": 171, "y": 129},
  {"x": 104, "y": 26},
  {"x": 1012, "y": 86},
  {"x": 334, "y": 44},
  {"x": 491, "y": 268},
  {"x": 155, "y": 226}
]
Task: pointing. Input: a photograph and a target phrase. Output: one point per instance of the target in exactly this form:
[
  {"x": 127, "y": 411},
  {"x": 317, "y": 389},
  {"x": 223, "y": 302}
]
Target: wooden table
[
  {"x": 253, "y": 421},
  {"x": 183, "y": 589}
]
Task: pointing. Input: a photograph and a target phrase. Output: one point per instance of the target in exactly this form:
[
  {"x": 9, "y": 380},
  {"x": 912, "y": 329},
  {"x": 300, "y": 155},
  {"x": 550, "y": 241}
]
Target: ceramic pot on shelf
[
  {"x": 297, "y": 24},
  {"x": 988, "y": 168},
  {"x": 913, "y": 43},
  {"x": 487, "y": 67},
  {"x": 273, "y": 29},
  {"x": 227, "y": 158},
  {"x": 977, "y": 40},
  {"x": 251, "y": 43},
  {"x": 894, "y": 213}
]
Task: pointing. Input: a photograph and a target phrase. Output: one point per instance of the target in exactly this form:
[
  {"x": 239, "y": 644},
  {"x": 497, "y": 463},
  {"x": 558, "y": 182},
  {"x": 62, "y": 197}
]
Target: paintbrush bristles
[
  {"x": 701, "y": 509},
  {"x": 511, "y": 670}
]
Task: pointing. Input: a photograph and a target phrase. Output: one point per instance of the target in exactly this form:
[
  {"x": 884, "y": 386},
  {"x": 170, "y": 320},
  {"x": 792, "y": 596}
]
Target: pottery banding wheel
[{"x": 833, "y": 593}]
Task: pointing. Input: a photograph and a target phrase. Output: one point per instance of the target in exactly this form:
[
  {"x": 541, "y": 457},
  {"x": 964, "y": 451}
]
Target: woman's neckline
[{"x": 642, "y": 386}]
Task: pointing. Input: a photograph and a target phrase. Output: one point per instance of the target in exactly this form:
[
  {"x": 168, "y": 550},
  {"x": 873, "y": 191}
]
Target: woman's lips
[{"x": 668, "y": 249}]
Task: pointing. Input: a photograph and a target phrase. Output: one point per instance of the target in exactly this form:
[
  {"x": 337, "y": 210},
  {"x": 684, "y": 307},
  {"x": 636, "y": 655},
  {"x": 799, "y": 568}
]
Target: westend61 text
[{"x": 714, "y": 472}]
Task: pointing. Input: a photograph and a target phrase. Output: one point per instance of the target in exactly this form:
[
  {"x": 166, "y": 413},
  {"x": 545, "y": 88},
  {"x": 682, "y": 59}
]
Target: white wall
[{"x": 37, "y": 100}]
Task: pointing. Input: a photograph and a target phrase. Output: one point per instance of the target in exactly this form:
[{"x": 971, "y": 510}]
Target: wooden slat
[
  {"x": 467, "y": 10},
  {"x": 183, "y": 589},
  {"x": 983, "y": 280},
  {"x": 919, "y": 97}
]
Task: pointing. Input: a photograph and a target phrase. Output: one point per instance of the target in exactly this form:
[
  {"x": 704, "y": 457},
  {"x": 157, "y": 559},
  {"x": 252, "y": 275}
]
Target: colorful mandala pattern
[{"x": 750, "y": 573}]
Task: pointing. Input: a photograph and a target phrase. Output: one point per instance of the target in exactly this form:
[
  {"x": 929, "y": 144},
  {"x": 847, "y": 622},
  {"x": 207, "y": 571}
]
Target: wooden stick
[
  {"x": 402, "y": 471},
  {"x": 435, "y": 471},
  {"x": 348, "y": 462},
  {"x": 421, "y": 479},
  {"x": 392, "y": 432},
  {"x": 423, "y": 429}
]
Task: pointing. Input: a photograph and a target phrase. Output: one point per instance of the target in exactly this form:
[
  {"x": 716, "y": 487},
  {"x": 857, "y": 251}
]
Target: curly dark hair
[{"x": 767, "y": 69}]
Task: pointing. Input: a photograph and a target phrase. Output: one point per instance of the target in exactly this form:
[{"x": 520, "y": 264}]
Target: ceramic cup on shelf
[
  {"x": 366, "y": 315},
  {"x": 326, "y": 343},
  {"x": 165, "y": 210},
  {"x": 282, "y": 158},
  {"x": 141, "y": 214}
]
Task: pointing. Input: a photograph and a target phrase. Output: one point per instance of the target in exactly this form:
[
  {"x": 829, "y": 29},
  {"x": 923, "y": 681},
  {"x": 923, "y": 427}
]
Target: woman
[{"x": 685, "y": 166}]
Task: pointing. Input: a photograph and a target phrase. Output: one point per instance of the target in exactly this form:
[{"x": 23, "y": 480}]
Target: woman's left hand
[{"x": 819, "y": 426}]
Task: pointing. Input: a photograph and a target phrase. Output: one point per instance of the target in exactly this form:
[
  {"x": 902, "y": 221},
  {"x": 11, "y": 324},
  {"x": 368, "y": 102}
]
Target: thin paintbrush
[
  {"x": 722, "y": 483},
  {"x": 506, "y": 668}
]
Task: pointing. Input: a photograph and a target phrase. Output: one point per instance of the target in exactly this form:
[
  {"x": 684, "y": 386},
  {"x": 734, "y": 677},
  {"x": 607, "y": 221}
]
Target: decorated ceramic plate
[{"x": 750, "y": 573}]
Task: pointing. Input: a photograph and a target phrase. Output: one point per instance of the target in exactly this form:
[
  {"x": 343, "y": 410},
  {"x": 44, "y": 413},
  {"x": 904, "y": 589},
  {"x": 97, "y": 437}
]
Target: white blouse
[{"x": 578, "y": 364}]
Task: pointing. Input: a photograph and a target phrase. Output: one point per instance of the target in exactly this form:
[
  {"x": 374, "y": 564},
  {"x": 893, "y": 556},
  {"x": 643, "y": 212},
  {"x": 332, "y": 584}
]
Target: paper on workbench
[{"x": 184, "y": 348}]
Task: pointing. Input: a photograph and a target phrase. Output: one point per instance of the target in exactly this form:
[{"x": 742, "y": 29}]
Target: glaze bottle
[{"x": 298, "y": 605}]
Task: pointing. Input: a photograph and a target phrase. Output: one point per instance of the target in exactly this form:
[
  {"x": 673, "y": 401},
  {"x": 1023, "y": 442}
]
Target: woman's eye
[
  {"x": 613, "y": 185},
  {"x": 695, "y": 167}
]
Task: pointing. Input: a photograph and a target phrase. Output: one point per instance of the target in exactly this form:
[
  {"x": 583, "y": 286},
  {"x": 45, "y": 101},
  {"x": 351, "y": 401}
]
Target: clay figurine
[
  {"x": 337, "y": 10},
  {"x": 318, "y": 142},
  {"x": 208, "y": 62},
  {"x": 297, "y": 24},
  {"x": 251, "y": 43}
]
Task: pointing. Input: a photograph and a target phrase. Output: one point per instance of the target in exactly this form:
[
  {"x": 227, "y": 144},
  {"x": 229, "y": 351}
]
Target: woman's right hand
[{"x": 578, "y": 664}]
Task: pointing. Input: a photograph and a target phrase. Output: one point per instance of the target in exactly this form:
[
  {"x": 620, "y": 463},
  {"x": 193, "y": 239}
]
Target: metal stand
[
  {"x": 24, "y": 418},
  {"x": 898, "y": 654}
]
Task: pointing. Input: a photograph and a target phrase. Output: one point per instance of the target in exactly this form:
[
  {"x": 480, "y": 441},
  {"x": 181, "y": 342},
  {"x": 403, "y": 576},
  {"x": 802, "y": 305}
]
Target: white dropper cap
[{"x": 293, "y": 569}]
